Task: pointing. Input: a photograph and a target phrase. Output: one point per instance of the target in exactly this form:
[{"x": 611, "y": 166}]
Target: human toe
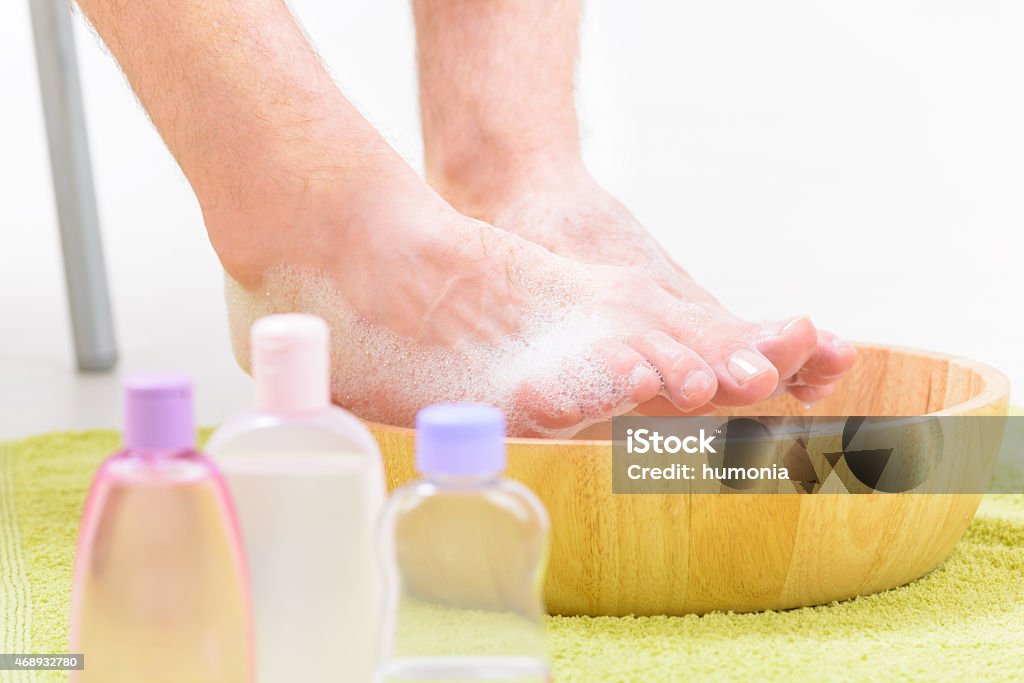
[{"x": 688, "y": 381}]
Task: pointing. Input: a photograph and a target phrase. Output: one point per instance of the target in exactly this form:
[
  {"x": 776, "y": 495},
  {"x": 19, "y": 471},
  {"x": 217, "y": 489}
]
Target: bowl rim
[{"x": 997, "y": 386}]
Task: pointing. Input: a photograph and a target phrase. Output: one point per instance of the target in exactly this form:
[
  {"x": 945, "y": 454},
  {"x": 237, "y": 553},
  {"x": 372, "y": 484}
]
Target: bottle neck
[
  {"x": 158, "y": 453},
  {"x": 280, "y": 398},
  {"x": 461, "y": 480}
]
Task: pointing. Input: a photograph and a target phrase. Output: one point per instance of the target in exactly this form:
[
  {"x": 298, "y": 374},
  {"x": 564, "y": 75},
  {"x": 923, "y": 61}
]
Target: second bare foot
[{"x": 562, "y": 208}]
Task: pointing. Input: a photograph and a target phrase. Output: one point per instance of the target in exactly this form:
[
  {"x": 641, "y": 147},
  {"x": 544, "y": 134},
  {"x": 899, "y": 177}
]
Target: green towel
[{"x": 964, "y": 621}]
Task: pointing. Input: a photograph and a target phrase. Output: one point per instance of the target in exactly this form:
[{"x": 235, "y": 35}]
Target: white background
[{"x": 859, "y": 162}]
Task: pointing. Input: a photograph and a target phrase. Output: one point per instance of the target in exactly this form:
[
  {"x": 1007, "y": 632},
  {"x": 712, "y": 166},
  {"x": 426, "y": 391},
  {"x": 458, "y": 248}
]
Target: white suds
[{"x": 383, "y": 377}]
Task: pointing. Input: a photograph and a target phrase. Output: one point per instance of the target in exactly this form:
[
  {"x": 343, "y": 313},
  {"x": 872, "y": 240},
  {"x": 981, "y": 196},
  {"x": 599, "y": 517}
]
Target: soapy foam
[
  {"x": 386, "y": 378},
  {"x": 592, "y": 229}
]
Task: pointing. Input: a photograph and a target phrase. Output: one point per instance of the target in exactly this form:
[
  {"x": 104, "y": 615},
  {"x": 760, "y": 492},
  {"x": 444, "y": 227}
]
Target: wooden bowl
[{"x": 676, "y": 554}]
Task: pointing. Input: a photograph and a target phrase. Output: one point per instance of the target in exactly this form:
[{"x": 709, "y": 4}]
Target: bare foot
[
  {"x": 426, "y": 305},
  {"x": 565, "y": 210}
]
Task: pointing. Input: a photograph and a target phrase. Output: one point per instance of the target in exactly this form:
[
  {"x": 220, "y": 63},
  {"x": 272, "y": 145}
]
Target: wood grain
[{"x": 678, "y": 554}]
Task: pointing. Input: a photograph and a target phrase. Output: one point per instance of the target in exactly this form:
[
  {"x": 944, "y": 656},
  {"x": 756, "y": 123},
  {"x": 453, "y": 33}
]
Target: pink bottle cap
[{"x": 291, "y": 363}]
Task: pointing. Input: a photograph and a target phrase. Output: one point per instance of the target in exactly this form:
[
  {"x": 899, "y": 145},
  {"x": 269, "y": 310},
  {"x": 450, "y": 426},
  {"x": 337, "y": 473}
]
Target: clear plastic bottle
[
  {"x": 464, "y": 552},
  {"x": 308, "y": 484},
  {"x": 160, "y": 592}
]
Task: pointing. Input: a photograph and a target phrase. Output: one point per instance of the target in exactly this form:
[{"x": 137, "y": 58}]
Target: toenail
[
  {"x": 793, "y": 323},
  {"x": 697, "y": 382},
  {"x": 641, "y": 374},
  {"x": 841, "y": 344},
  {"x": 745, "y": 365}
]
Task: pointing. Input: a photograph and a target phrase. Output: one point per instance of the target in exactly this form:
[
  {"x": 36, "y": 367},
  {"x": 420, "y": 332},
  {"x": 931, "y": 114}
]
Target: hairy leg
[
  {"x": 502, "y": 144},
  {"x": 252, "y": 117},
  {"x": 309, "y": 209}
]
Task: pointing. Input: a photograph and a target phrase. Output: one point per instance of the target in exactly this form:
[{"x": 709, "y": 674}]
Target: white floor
[{"x": 865, "y": 166}]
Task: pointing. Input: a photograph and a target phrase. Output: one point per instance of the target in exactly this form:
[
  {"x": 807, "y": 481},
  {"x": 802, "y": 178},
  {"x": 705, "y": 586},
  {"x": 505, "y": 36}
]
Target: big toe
[
  {"x": 745, "y": 376},
  {"x": 788, "y": 345}
]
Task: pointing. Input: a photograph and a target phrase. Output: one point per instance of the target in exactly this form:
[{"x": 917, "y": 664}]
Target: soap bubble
[{"x": 384, "y": 377}]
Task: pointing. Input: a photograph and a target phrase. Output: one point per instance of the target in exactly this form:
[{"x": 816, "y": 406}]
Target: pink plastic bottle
[
  {"x": 160, "y": 590},
  {"x": 308, "y": 483}
]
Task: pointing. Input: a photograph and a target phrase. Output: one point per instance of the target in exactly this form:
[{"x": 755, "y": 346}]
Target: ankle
[
  {"x": 311, "y": 219},
  {"x": 480, "y": 180}
]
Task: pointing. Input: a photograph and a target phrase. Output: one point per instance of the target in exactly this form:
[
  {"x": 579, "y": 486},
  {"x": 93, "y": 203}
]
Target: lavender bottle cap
[
  {"x": 158, "y": 413},
  {"x": 460, "y": 439}
]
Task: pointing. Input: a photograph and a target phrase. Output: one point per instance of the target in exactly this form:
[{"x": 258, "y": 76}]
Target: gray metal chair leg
[{"x": 85, "y": 274}]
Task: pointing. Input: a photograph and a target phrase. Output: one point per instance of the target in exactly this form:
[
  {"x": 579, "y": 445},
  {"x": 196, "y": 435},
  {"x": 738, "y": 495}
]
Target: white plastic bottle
[
  {"x": 308, "y": 484},
  {"x": 464, "y": 552}
]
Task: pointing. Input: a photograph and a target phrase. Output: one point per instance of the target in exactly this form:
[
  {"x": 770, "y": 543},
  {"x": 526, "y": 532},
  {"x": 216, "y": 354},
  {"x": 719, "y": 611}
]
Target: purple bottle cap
[
  {"x": 158, "y": 413},
  {"x": 460, "y": 439}
]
